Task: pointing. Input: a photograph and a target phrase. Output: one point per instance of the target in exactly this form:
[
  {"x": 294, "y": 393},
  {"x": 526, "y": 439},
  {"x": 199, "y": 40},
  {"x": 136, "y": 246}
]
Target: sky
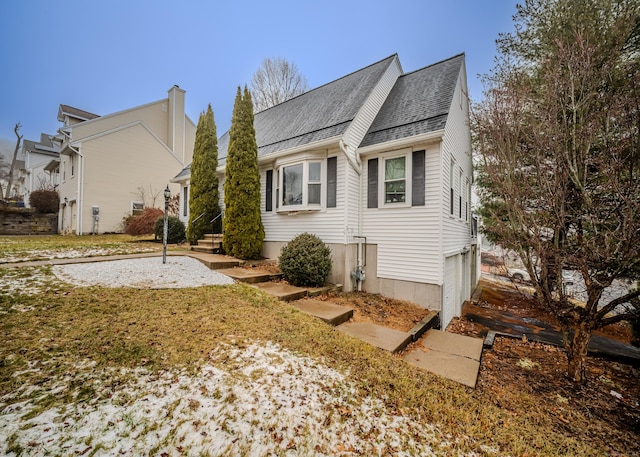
[{"x": 107, "y": 56}]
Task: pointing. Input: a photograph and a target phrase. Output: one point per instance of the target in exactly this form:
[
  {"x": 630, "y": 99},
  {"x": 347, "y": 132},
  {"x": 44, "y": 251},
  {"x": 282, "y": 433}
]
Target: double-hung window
[
  {"x": 395, "y": 180},
  {"x": 398, "y": 179}
]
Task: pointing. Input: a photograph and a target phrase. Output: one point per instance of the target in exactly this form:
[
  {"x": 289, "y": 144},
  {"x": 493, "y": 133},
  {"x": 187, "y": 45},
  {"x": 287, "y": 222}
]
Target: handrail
[{"x": 198, "y": 218}]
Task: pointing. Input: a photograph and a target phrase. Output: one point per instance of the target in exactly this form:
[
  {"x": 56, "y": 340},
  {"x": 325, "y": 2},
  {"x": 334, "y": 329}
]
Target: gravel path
[{"x": 144, "y": 273}]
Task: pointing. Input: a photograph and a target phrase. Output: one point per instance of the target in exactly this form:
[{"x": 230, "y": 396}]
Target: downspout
[
  {"x": 358, "y": 275},
  {"x": 79, "y": 177}
]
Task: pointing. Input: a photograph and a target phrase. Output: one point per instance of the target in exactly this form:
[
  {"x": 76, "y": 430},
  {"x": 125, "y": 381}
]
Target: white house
[
  {"x": 41, "y": 163},
  {"x": 113, "y": 165},
  {"x": 378, "y": 165}
]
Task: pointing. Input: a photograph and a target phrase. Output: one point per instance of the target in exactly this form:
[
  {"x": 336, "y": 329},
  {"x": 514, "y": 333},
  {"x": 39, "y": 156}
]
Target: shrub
[
  {"x": 175, "y": 229},
  {"x": 305, "y": 261},
  {"x": 144, "y": 224},
  {"x": 44, "y": 201}
]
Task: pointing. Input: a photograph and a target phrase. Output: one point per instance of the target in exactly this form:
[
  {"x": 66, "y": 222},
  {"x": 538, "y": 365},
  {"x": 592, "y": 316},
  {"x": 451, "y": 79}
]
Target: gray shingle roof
[
  {"x": 76, "y": 112},
  {"x": 320, "y": 113},
  {"x": 418, "y": 103}
]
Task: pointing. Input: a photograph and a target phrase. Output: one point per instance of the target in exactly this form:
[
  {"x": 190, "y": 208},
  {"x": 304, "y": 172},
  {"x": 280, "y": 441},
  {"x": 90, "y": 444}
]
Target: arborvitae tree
[
  {"x": 204, "y": 197},
  {"x": 243, "y": 230}
]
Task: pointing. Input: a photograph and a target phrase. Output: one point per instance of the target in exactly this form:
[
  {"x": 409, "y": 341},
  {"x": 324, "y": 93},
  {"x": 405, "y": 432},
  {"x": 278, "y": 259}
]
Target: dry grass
[
  {"x": 49, "y": 334},
  {"x": 179, "y": 328}
]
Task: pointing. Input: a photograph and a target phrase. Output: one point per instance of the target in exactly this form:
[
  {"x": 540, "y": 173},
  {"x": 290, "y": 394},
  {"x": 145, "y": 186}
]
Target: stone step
[
  {"x": 215, "y": 261},
  {"x": 329, "y": 312},
  {"x": 249, "y": 276},
  {"x": 204, "y": 249},
  {"x": 212, "y": 237},
  {"x": 452, "y": 356},
  {"x": 385, "y": 338},
  {"x": 282, "y": 291}
]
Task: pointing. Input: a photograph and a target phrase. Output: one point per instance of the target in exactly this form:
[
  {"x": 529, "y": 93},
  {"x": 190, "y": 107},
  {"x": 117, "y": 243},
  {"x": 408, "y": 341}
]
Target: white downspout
[
  {"x": 79, "y": 177},
  {"x": 356, "y": 164}
]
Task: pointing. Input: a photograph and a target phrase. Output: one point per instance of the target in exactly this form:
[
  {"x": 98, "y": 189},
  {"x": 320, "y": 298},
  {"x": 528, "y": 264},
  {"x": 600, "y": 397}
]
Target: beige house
[{"x": 113, "y": 165}]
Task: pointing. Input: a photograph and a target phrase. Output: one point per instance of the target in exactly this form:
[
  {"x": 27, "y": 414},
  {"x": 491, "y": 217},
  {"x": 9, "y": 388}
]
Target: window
[
  {"x": 460, "y": 192},
  {"x": 314, "y": 183},
  {"x": 395, "y": 180},
  {"x": 292, "y": 178},
  {"x": 451, "y": 192},
  {"x": 299, "y": 186},
  {"x": 401, "y": 178},
  {"x": 64, "y": 170},
  {"x": 137, "y": 208},
  {"x": 73, "y": 165}
]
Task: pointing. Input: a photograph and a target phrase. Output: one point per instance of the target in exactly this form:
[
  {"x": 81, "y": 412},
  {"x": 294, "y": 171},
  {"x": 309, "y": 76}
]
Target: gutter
[{"x": 79, "y": 178}]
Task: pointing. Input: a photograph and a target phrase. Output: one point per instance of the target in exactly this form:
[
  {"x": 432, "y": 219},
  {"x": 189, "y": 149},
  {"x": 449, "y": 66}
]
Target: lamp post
[{"x": 167, "y": 194}]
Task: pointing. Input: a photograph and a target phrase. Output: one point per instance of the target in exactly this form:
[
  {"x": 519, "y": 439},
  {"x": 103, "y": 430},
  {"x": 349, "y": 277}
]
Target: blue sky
[{"x": 106, "y": 56}]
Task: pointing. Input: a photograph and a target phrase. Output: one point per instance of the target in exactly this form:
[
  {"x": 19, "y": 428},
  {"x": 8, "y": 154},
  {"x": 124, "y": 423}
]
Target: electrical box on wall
[{"x": 95, "y": 210}]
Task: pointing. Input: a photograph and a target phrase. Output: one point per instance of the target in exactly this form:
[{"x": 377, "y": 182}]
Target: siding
[
  {"x": 112, "y": 175},
  {"x": 456, "y": 144},
  {"x": 408, "y": 238},
  {"x": 152, "y": 114},
  {"x": 367, "y": 113}
]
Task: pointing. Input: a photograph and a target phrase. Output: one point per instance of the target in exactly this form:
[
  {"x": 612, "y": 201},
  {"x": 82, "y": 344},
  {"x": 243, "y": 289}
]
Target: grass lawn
[{"x": 224, "y": 370}]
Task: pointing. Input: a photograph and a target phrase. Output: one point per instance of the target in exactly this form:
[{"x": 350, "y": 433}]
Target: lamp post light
[{"x": 167, "y": 195}]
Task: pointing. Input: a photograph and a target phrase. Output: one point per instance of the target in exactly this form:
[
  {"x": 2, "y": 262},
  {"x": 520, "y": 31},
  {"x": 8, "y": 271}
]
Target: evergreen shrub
[
  {"x": 305, "y": 261},
  {"x": 175, "y": 229}
]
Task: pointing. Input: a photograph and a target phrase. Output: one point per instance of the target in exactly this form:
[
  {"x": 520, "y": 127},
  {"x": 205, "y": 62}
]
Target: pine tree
[
  {"x": 243, "y": 230},
  {"x": 204, "y": 196}
]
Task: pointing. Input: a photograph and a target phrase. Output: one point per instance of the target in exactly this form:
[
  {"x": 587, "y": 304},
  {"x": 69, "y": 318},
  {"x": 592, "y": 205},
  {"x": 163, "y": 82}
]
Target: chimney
[{"x": 176, "y": 116}]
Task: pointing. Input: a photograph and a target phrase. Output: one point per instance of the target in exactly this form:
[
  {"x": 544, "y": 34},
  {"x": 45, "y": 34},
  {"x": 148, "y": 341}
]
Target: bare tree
[
  {"x": 13, "y": 162},
  {"x": 277, "y": 80},
  {"x": 558, "y": 137}
]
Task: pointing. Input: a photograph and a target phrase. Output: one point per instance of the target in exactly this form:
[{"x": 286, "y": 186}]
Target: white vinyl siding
[
  {"x": 408, "y": 237},
  {"x": 456, "y": 151}
]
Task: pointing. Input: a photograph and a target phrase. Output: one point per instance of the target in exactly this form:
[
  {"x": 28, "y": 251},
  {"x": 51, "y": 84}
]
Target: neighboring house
[
  {"x": 378, "y": 165},
  {"x": 113, "y": 165},
  {"x": 41, "y": 163}
]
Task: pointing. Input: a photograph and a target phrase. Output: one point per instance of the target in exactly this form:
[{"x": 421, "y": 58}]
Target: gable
[{"x": 418, "y": 103}]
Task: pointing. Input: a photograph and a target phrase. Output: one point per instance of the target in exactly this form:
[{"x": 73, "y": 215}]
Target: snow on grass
[
  {"x": 252, "y": 401},
  {"x": 26, "y": 281},
  {"x": 70, "y": 253},
  {"x": 143, "y": 273}
]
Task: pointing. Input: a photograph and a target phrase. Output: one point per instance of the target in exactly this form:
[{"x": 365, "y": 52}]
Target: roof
[
  {"x": 185, "y": 173},
  {"x": 318, "y": 114},
  {"x": 46, "y": 146},
  {"x": 418, "y": 103},
  {"x": 75, "y": 113}
]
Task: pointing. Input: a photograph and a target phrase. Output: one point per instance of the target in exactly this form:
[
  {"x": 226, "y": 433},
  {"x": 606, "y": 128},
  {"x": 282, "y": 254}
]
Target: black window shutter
[
  {"x": 372, "y": 183},
  {"x": 269, "y": 191},
  {"x": 417, "y": 179},
  {"x": 332, "y": 181}
]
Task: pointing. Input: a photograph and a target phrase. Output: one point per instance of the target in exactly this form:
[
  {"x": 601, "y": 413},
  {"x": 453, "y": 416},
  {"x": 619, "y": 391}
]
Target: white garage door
[{"x": 449, "y": 292}]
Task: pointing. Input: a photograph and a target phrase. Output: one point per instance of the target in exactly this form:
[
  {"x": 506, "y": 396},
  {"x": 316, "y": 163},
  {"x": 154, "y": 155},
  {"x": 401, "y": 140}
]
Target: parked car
[{"x": 519, "y": 275}]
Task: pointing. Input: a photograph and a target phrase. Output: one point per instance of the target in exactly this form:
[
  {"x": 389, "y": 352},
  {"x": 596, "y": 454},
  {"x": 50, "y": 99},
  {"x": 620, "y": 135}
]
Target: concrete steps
[
  {"x": 383, "y": 337},
  {"x": 449, "y": 355},
  {"x": 209, "y": 244},
  {"x": 329, "y": 312}
]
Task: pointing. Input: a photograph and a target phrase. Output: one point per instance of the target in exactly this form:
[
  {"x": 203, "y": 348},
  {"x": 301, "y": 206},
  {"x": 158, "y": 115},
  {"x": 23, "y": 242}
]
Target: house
[
  {"x": 41, "y": 164},
  {"x": 378, "y": 165},
  {"x": 113, "y": 165}
]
